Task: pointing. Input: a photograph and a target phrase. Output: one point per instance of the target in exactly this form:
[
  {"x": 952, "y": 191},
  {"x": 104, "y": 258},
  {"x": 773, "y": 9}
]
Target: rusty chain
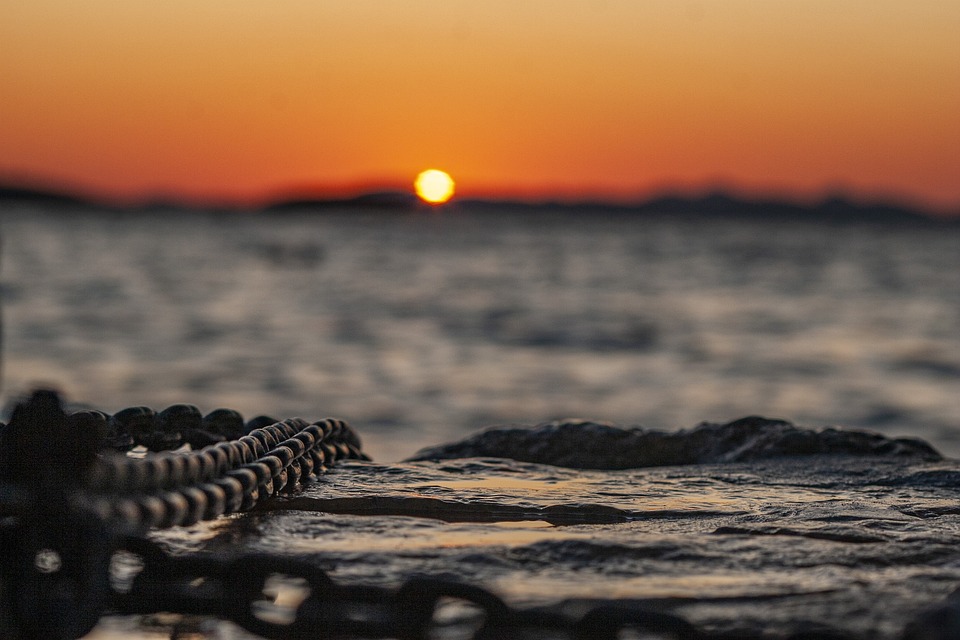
[{"x": 181, "y": 489}]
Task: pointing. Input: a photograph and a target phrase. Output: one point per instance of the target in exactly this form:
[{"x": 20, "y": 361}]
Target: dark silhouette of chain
[
  {"x": 65, "y": 506},
  {"x": 233, "y": 589},
  {"x": 60, "y": 452}
]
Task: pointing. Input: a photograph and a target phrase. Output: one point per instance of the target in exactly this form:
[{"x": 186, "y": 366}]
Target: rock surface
[
  {"x": 764, "y": 546},
  {"x": 589, "y": 445}
]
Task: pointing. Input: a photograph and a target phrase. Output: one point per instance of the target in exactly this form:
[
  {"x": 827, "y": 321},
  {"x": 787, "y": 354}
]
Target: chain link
[{"x": 161, "y": 490}]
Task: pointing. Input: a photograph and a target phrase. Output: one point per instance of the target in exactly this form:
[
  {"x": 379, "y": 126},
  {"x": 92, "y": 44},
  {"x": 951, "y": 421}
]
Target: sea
[{"x": 421, "y": 327}]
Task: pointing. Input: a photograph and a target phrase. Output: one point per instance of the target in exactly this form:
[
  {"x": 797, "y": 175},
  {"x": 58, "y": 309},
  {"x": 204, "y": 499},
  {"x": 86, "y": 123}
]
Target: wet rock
[
  {"x": 591, "y": 445},
  {"x": 851, "y": 547},
  {"x": 755, "y": 529}
]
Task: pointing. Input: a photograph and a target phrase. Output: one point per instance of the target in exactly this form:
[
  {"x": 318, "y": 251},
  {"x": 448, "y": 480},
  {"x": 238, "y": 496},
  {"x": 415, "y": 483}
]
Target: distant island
[
  {"x": 720, "y": 204},
  {"x": 716, "y": 204}
]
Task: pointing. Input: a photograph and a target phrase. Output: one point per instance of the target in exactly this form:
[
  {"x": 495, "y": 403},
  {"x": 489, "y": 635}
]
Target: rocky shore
[
  {"x": 581, "y": 444},
  {"x": 757, "y": 529}
]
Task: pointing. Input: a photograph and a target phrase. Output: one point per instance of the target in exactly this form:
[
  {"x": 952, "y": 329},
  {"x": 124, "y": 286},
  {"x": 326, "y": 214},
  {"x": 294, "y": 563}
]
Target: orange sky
[{"x": 234, "y": 99}]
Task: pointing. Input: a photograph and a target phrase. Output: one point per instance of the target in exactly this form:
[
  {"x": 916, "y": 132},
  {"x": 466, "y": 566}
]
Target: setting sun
[{"x": 434, "y": 186}]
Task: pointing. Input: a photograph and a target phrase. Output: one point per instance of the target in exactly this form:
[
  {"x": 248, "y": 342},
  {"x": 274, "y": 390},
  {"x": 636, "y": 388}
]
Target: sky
[{"x": 239, "y": 100}]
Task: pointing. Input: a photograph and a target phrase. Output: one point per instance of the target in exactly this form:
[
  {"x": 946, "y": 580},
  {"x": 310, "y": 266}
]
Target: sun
[{"x": 434, "y": 186}]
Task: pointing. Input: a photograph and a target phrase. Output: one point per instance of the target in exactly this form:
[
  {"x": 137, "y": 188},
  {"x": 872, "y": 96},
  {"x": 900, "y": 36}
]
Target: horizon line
[{"x": 367, "y": 193}]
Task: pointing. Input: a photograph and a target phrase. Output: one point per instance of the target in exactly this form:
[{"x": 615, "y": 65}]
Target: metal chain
[
  {"x": 65, "y": 507},
  {"x": 172, "y": 489},
  {"x": 182, "y": 488}
]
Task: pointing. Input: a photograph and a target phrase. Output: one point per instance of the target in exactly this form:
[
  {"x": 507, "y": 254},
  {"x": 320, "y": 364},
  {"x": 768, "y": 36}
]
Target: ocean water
[{"x": 419, "y": 328}]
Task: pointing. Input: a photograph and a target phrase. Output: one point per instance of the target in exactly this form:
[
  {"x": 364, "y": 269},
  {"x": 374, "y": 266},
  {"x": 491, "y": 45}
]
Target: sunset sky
[{"x": 236, "y": 100}]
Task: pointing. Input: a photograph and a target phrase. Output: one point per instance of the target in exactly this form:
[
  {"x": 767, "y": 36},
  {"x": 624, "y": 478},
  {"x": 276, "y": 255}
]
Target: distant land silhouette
[{"x": 717, "y": 204}]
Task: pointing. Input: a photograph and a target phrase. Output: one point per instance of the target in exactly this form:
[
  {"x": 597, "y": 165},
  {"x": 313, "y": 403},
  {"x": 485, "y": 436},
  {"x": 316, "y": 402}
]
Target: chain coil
[
  {"x": 67, "y": 505},
  {"x": 177, "y": 489}
]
